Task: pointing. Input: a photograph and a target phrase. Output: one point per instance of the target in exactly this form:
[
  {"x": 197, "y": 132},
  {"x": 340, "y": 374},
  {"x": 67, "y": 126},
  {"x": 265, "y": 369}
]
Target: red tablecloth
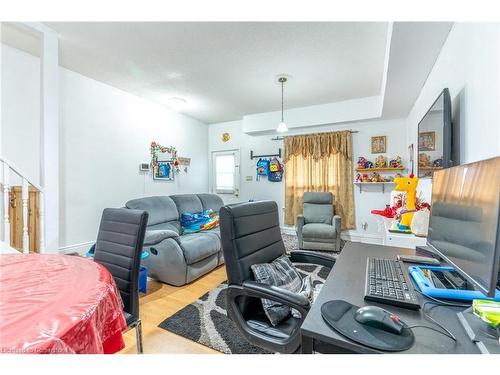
[{"x": 58, "y": 304}]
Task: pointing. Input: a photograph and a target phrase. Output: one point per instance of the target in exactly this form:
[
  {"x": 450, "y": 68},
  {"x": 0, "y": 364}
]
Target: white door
[{"x": 225, "y": 177}]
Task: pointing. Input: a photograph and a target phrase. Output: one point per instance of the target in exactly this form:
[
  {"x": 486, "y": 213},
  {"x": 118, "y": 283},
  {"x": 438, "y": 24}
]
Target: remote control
[{"x": 419, "y": 260}]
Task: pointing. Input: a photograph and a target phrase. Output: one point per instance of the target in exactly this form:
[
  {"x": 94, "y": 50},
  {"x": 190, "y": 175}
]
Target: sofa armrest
[
  {"x": 154, "y": 237},
  {"x": 300, "y": 223}
]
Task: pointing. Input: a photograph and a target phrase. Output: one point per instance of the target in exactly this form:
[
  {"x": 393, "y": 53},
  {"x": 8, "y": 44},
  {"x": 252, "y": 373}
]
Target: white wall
[
  {"x": 469, "y": 66},
  {"x": 371, "y": 197},
  {"x": 104, "y": 134},
  {"x": 20, "y": 87}
]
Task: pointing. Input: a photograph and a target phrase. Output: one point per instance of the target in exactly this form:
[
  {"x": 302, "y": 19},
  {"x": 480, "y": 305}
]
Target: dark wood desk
[{"x": 347, "y": 282}]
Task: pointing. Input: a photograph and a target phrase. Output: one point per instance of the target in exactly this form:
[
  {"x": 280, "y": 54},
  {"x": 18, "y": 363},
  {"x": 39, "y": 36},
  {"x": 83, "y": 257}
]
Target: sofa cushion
[
  {"x": 187, "y": 203},
  {"x": 154, "y": 237},
  {"x": 160, "y": 209},
  {"x": 171, "y": 225},
  {"x": 318, "y": 213},
  {"x": 211, "y": 202},
  {"x": 318, "y": 232},
  {"x": 198, "y": 246}
]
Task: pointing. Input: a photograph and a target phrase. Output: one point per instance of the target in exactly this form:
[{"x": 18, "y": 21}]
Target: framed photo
[
  {"x": 379, "y": 144},
  {"x": 163, "y": 170},
  {"x": 427, "y": 141}
]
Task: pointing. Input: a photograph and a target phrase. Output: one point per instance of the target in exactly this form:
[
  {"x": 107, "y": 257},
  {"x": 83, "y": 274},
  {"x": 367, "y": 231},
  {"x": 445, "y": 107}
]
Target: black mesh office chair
[
  {"x": 118, "y": 248},
  {"x": 250, "y": 234}
]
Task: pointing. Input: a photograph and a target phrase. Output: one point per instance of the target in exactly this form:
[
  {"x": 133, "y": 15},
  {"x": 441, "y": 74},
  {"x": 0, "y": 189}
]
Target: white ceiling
[{"x": 227, "y": 70}]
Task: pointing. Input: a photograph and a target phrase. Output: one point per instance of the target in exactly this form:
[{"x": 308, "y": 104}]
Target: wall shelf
[
  {"x": 388, "y": 169},
  {"x": 361, "y": 184}
]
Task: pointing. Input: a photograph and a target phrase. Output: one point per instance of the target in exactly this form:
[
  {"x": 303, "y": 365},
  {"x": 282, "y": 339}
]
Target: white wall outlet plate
[
  {"x": 248, "y": 178},
  {"x": 144, "y": 167}
]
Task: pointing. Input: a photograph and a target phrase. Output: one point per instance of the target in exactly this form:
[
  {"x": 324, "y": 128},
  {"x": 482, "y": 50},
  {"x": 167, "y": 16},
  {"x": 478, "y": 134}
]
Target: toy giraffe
[{"x": 408, "y": 184}]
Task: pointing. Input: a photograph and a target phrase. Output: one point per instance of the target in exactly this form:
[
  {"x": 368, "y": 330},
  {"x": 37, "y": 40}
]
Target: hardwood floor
[{"x": 162, "y": 301}]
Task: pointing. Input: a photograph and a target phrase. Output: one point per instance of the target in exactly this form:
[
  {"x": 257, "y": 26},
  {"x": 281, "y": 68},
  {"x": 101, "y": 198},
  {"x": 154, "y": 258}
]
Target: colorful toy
[
  {"x": 361, "y": 162},
  {"x": 358, "y": 177},
  {"x": 396, "y": 163},
  {"x": 408, "y": 184},
  {"x": 375, "y": 177},
  {"x": 438, "y": 163},
  {"x": 368, "y": 164},
  {"x": 381, "y": 161},
  {"x": 424, "y": 160},
  {"x": 365, "y": 177}
]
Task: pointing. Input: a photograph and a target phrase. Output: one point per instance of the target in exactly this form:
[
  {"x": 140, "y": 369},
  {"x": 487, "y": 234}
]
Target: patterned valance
[{"x": 319, "y": 145}]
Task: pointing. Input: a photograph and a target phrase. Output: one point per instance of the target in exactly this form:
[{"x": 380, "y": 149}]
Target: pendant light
[{"x": 282, "y": 128}]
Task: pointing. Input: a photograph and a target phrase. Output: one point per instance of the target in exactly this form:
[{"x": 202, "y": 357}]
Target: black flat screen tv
[{"x": 435, "y": 137}]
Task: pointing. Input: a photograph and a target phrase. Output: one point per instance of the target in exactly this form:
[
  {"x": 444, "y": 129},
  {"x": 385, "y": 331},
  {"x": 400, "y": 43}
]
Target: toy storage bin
[{"x": 143, "y": 280}]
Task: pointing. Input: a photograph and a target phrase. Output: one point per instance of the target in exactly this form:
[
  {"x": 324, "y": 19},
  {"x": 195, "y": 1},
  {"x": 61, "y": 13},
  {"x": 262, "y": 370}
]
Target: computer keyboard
[{"x": 388, "y": 282}]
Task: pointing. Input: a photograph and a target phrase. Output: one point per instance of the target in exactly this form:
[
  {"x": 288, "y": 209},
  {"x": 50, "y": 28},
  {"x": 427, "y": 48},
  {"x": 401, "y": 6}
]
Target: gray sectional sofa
[{"x": 174, "y": 257}]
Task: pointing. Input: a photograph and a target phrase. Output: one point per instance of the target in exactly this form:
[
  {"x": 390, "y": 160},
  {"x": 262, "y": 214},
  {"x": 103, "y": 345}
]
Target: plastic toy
[
  {"x": 361, "y": 162},
  {"x": 408, "y": 184},
  {"x": 368, "y": 164},
  {"x": 438, "y": 163},
  {"x": 396, "y": 163},
  {"x": 424, "y": 160},
  {"x": 375, "y": 177},
  {"x": 358, "y": 177},
  {"x": 365, "y": 177},
  {"x": 380, "y": 161}
]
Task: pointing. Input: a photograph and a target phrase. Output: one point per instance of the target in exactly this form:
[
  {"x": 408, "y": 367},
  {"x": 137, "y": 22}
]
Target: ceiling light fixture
[
  {"x": 176, "y": 103},
  {"x": 282, "y": 128}
]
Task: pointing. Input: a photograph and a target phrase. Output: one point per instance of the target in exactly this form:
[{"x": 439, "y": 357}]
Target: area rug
[{"x": 205, "y": 320}]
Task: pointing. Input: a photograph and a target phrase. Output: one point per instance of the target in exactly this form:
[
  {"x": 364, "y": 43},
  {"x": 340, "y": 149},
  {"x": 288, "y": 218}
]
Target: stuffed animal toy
[
  {"x": 381, "y": 162},
  {"x": 408, "y": 184},
  {"x": 368, "y": 164},
  {"x": 361, "y": 162},
  {"x": 396, "y": 163}
]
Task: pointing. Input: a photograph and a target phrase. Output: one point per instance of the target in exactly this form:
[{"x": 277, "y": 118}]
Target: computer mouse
[{"x": 377, "y": 317}]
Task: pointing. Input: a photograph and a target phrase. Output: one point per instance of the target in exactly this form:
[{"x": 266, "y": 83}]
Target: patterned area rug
[{"x": 205, "y": 321}]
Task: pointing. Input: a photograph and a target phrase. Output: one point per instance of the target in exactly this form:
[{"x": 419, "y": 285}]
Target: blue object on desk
[{"x": 427, "y": 287}]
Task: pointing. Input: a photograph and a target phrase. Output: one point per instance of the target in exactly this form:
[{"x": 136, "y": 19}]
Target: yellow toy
[{"x": 408, "y": 184}]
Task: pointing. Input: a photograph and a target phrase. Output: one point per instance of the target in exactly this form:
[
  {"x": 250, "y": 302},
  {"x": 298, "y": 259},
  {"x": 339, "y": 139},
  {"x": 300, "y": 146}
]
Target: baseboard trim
[
  {"x": 80, "y": 248},
  {"x": 375, "y": 239}
]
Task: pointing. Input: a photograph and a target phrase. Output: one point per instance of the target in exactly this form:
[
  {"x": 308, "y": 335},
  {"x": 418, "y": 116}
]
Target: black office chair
[
  {"x": 250, "y": 234},
  {"x": 118, "y": 248}
]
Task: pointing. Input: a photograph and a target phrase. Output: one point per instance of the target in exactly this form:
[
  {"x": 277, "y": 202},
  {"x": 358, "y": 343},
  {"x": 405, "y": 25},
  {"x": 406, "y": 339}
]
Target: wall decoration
[
  {"x": 379, "y": 144},
  {"x": 427, "y": 141},
  {"x": 226, "y": 137},
  {"x": 164, "y": 161},
  {"x": 184, "y": 161}
]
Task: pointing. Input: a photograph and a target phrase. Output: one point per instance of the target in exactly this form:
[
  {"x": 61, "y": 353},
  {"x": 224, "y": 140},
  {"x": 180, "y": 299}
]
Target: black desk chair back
[
  {"x": 250, "y": 234},
  {"x": 118, "y": 248}
]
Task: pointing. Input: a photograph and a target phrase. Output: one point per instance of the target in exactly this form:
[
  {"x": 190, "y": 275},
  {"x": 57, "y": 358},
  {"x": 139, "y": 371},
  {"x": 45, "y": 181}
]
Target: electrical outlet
[{"x": 248, "y": 178}]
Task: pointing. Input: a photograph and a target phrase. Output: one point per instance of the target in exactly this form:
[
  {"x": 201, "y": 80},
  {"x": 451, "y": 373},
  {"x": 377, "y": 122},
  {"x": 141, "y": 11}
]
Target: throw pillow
[
  {"x": 197, "y": 222},
  {"x": 281, "y": 273}
]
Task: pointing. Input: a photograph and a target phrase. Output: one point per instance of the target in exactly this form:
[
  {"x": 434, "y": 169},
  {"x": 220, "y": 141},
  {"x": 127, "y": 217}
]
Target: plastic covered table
[{"x": 58, "y": 304}]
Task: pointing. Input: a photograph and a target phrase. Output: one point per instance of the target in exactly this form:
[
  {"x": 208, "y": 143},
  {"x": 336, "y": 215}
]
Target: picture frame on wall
[
  {"x": 379, "y": 144},
  {"x": 164, "y": 170},
  {"x": 427, "y": 141}
]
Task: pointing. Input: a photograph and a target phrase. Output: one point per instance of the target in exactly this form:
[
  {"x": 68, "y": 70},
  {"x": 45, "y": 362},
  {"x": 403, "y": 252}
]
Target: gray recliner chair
[{"x": 318, "y": 228}]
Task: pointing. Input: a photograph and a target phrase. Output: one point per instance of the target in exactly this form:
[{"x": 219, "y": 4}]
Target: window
[{"x": 225, "y": 172}]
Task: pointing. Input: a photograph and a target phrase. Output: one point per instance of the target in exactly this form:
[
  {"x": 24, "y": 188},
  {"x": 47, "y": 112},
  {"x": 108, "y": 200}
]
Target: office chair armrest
[
  {"x": 274, "y": 293},
  {"x": 304, "y": 256}
]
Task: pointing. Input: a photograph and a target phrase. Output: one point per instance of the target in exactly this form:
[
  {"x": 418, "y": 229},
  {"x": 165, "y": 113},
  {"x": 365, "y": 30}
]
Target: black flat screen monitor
[
  {"x": 435, "y": 137},
  {"x": 464, "y": 223}
]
